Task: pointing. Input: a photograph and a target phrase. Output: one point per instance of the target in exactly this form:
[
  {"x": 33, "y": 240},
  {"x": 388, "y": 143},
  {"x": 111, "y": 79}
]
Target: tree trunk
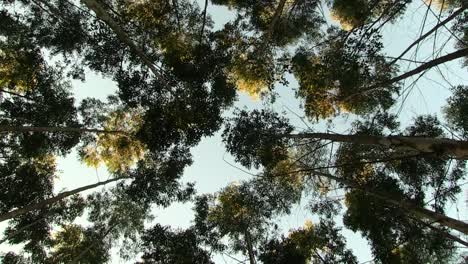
[
  {"x": 423, "y": 67},
  {"x": 102, "y": 15},
  {"x": 248, "y": 241},
  {"x": 25, "y": 129},
  {"x": 456, "y": 149},
  {"x": 442, "y": 232},
  {"x": 60, "y": 196},
  {"x": 276, "y": 16},
  {"x": 442, "y": 23},
  {"x": 416, "y": 211}
]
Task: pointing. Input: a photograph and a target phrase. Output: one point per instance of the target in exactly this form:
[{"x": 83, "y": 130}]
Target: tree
[
  {"x": 359, "y": 167},
  {"x": 177, "y": 71},
  {"x": 73, "y": 241},
  {"x": 319, "y": 243},
  {"x": 162, "y": 245}
]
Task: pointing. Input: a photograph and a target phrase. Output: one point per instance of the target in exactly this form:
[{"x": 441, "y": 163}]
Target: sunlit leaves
[
  {"x": 317, "y": 243},
  {"x": 73, "y": 243},
  {"x": 117, "y": 150},
  {"x": 335, "y": 78}
]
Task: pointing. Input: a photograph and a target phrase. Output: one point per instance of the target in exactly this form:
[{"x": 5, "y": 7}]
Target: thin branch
[
  {"x": 434, "y": 29},
  {"x": 204, "y": 20}
]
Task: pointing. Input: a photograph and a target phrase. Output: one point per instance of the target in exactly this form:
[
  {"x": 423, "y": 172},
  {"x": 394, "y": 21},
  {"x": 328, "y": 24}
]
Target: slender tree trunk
[
  {"x": 456, "y": 149},
  {"x": 248, "y": 241},
  {"x": 15, "y": 94},
  {"x": 204, "y": 20},
  {"x": 25, "y": 129},
  {"x": 60, "y": 196},
  {"x": 423, "y": 67},
  {"x": 276, "y": 16},
  {"x": 415, "y": 211},
  {"x": 442, "y": 232},
  {"x": 442, "y": 23},
  {"x": 102, "y": 15}
]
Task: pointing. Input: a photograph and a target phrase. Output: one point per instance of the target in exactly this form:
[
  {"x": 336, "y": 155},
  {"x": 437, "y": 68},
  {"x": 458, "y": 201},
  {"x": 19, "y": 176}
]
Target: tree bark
[
  {"x": 415, "y": 211},
  {"x": 25, "y": 129},
  {"x": 456, "y": 149},
  {"x": 276, "y": 16},
  {"x": 60, "y": 196},
  {"x": 248, "y": 241},
  {"x": 102, "y": 15}
]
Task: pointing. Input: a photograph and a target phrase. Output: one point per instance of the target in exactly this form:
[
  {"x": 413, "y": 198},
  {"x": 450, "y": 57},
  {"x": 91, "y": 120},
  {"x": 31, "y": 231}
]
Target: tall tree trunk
[
  {"x": 250, "y": 252},
  {"x": 456, "y": 149},
  {"x": 25, "y": 129},
  {"x": 415, "y": 211},
  {"x": 102, "y": 15},
  {"x": 442, "y": 232},
  {"x": 60, "y": 196}
]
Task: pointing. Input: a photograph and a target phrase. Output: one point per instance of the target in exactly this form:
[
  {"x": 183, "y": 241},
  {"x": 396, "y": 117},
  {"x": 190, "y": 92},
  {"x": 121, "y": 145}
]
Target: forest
[{"x": 351, "y": 113}]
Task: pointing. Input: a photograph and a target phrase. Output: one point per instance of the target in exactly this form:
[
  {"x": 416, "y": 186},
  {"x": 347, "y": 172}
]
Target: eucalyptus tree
[
  {"x": 163, "y": 245},
  {"x": 419, "y": 177},
  {"x": 320, "y": 243},
  {"x": 73, "y": 241}
]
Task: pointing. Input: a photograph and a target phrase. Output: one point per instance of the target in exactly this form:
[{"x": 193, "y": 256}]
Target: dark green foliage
[
  {"x": 298, "y": 19},
  {"x": 156, "y": 179},
  {"x": 320, "y": 243},
  {"x": 12, "y": 258},
  {"x": 394, "y": 236},
  {"x": 335, "y": 78},
  {"x": 34, "y": 228},
  {"x": 163, "y": 245},
  {"x": 184, "y": 121},
  {"x": 48, "y": 104},
  {"x": 456, "y": 111},
  {"x": 264, "y": 130},
  {"x": 74, "y": 243}
]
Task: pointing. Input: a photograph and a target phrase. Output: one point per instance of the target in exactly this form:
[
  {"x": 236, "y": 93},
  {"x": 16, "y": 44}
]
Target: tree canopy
[{"x": 365, "y": 165}]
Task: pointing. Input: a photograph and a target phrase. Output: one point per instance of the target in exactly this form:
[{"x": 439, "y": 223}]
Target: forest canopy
[{"x": 357, "y": 153}]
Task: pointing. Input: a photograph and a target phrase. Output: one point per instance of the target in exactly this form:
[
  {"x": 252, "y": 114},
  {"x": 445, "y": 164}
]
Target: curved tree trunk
[
  {"x": 456, "y": 149},
  {"x": 415, "y": 211},
  {"x": 25, "y": 129},
  {"x": 60, "y": 196}
]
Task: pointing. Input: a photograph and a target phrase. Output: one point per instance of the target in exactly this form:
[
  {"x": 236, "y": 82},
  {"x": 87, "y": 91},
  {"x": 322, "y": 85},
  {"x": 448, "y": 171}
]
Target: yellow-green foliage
[
  {"x": 250, "y": 76},
  {"x": 442, "y": 5},
  {"x": 18, "y": 69},
  {"x": 349, "y": 13},
  {"x": 229, "y": 207},
  {"x": 117, "y": 151}
]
